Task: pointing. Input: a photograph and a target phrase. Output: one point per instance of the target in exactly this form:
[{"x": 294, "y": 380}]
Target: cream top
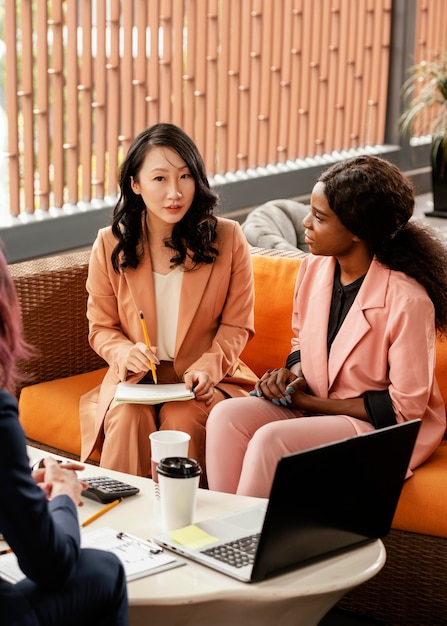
[{"x": 167, "y": 298}]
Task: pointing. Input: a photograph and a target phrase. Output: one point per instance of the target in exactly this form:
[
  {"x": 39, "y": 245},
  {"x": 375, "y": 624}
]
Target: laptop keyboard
[{"x": 236, "y": 553}]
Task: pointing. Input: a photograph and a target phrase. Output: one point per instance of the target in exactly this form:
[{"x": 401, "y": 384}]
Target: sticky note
[{"x": 192, "y": 537}]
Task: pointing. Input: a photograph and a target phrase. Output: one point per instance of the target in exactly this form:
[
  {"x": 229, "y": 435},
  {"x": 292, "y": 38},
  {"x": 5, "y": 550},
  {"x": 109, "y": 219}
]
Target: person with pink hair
[{"x": 64, "y": 584}]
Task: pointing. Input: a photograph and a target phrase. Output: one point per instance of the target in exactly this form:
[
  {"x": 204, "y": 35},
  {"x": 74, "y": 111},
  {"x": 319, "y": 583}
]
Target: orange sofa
[{"x": 409, "y": 591}]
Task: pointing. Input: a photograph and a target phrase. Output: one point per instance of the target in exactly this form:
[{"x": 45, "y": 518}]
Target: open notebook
[
  {"x": 323, "y": 501},
  {"x": 138, "y": 393}
]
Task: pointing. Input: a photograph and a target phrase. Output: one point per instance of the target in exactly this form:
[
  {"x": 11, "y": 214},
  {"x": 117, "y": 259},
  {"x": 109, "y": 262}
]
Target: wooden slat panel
[
  {"x": 165, "y": 110},
  {"x": 12, "y": 107},
  {"x": 72, "y": 142},
  {"x": 317, "y": 18},
  {"x": 253, "y": 82},
  {"x": 177, "y": 62},
  {"x": 244, "y": 93},
  {"x": 200, "y": 77},
  {"x": 368, "y": 100},
  {"x": 380, "y": 70},
  {"x": 26, "y": 102},
  {"x": 333, "y": 76},
  {"x": 275, "y": 73},
  {"x": 126, "y": 91},
  {"x": 294, "y": 76},
  {"x": 234, "y": 69},
  {"x": 85, "y": 88},
  {"x": 285, "y": 63},
  {"x": 113, "y": 89},
  {"x": 216, "y": 106},
  {"x": 99, "y": 103},
  {"x": 354, "y": 107},
  {"x": 153, "y": 67},
  {"x": 344, "y": 68},
  {"x": 189, "y": 74},
  {"x": 41, "y": 113},
  {"x": 217, "y": 87},
  {"x": 56, "y": 72},
  {"x": 265, "y": 80},
  {"x": 139, "y": 80},
  {"x": 305, "y": 80}
]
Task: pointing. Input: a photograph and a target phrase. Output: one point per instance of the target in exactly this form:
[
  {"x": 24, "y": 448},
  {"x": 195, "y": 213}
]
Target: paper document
[
  {"x": 137, "y": 560},
  {"x": 9, "y": 568},
  {"x": 151, "y": 394}
]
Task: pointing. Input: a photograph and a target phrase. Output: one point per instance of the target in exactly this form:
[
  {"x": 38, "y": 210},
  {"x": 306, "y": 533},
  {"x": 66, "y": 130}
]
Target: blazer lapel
[
  {"x": 194, "y": 284},
  {"x": 141, "y": 288},
  {"x": 314, "y": 338},
  {"x": 371, "y": 295}
]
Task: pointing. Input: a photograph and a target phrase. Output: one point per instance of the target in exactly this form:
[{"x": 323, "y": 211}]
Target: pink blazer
[
  {"x": 387, "y": 341},
  {"x": 215, "y": 320}
]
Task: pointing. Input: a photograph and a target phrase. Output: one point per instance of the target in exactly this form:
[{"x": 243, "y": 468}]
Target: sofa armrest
[{"x": 53, "y": 301}]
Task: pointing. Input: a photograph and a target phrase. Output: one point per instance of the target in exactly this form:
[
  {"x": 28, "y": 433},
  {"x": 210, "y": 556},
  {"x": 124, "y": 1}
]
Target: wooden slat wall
[{"x": 254, "y": 82}]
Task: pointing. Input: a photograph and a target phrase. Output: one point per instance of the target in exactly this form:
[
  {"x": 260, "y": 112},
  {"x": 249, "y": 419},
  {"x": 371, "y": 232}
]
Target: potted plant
[{"x": 425, "y": 111}]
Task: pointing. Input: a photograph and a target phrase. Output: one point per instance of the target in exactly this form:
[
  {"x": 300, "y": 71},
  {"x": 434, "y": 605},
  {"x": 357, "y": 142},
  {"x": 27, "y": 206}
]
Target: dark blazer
[{"x": 44, "y": 535}]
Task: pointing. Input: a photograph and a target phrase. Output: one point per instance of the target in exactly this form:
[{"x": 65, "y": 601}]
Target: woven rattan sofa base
[
  {"x": 411, "y": 588},
  {"x": 53, "y": 301}
]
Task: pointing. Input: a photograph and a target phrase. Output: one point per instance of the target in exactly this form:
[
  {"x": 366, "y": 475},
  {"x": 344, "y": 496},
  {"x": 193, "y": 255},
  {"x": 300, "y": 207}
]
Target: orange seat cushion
[
  {"x": 422, "y": 505},
  {"x": 441, "y": 366},
  {"x": 49, "y": 412},
  {"x": 274, "y": 279}
]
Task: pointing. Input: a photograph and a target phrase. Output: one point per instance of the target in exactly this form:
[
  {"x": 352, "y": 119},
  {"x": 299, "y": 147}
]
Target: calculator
[{"x": 105, "y": 489}]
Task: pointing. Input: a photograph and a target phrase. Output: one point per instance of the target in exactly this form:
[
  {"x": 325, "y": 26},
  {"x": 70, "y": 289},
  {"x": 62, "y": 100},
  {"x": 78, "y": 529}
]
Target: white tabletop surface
[{"x": 198, "y": 595}]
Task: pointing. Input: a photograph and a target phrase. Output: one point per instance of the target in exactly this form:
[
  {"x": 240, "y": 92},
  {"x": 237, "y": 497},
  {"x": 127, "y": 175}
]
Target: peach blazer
[
  {"x": 387, "y": 341},
  {"x": 215, "y": 320}
]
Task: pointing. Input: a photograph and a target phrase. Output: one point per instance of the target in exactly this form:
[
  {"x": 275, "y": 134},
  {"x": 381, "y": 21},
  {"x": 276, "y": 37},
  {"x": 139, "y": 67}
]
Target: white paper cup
[
  {"x": 178, "y": 478},
  {"x": 166, "y": 443}
]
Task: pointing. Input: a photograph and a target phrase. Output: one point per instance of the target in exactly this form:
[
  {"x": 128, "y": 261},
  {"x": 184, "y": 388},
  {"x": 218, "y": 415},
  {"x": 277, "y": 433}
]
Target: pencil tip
[{"x": 141, "y": 314}]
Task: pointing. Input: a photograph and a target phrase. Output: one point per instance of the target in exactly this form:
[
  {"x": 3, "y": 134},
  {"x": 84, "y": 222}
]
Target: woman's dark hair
[
  {"x": 374, "y": 200},
  {"x": 13, "y": 347},
  {"x": 195, "y": 232}
]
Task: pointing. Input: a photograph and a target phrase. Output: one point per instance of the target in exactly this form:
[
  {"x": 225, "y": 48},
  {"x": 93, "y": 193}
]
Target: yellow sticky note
[{"x": 192, "y": 537}]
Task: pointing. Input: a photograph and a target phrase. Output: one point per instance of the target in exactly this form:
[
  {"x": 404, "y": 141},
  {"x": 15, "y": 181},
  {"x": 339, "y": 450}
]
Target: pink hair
[{"x": 13, "y": 346}]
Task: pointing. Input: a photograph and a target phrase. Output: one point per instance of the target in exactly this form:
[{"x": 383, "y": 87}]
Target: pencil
[
  {"x": 101, "y": 512},
  {"x": 148, "y": 343},
  {"x": 7, "y": 551}
]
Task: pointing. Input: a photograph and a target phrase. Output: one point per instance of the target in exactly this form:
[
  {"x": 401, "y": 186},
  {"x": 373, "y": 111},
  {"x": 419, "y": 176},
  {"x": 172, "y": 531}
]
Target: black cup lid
[{"x": 179, "y": 467}]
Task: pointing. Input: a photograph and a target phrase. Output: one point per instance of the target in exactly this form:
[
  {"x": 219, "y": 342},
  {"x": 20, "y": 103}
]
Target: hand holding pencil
[{"x": 148, "y": 344}]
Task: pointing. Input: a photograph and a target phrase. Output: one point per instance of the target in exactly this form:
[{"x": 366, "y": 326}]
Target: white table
[{"x": 196, "y": 595}]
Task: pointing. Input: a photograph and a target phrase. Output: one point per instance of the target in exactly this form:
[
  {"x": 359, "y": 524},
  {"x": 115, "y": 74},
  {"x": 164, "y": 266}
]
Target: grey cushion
[{"x": 277, "y": 224}]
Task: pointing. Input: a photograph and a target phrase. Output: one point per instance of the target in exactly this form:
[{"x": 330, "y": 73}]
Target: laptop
[{"x": 323, "y": 501}]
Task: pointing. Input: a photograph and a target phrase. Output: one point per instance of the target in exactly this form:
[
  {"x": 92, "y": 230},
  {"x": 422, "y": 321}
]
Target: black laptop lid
[{"x": 334, "y": 497}]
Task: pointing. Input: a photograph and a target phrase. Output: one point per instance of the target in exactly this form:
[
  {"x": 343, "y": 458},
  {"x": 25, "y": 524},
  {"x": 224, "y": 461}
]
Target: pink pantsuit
[{"x": 387, "y": 341}]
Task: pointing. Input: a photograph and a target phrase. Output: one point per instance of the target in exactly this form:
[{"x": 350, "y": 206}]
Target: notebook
[
  {"x": 138, "y": 393},
  {"x": 323, "y": 501}
]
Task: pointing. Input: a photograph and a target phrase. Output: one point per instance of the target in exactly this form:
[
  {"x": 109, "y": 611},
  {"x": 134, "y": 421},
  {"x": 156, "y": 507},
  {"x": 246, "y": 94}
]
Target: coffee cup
[
  {"x": 178, "y": 479},
  {"x": 165, "y": 443}
]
